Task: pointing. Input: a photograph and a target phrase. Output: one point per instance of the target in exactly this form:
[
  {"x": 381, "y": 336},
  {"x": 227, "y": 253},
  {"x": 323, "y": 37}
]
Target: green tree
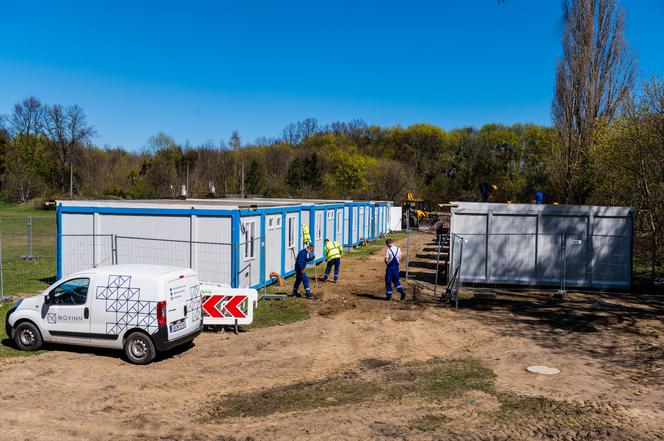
[{"x": 255, "y": 179}]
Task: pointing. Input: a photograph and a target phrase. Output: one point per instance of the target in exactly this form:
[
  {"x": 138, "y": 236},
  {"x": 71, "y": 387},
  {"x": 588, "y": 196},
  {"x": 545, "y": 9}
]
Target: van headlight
[{"x": 18, "y": 302}]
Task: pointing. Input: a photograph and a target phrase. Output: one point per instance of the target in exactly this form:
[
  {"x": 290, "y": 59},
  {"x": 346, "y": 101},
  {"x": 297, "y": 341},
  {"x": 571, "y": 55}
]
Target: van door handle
[
  {"x": 185, "y": 310},
  {"x": 86, "y": 313}
]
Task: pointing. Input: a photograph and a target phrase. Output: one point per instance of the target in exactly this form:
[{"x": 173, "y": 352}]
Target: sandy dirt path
[{"x": 615, "y": 370}]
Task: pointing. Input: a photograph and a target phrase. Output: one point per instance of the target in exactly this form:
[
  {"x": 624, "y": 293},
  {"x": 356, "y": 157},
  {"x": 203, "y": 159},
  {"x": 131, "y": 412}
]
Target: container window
[
  {"x": 291, "y": 232},
  {"x": 249, "y": 239},
  {"x": 319, "y": 226}
]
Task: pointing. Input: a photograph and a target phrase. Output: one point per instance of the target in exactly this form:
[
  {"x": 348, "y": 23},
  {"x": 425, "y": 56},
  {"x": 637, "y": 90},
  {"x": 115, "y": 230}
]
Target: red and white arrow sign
[
  {"x": 223, "y": 305},
  {"x": 215, "y": 305}
]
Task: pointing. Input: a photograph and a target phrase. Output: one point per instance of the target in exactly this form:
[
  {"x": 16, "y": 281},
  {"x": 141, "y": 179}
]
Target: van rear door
[{"x": 183, "y": 306}]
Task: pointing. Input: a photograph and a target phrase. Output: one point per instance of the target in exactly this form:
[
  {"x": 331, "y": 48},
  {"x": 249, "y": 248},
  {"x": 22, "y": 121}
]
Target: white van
[{"x": 139, "y": 308}]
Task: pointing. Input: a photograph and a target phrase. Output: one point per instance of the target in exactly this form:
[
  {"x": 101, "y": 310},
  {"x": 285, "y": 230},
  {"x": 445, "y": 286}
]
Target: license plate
[{"x": 178, "y": 325}]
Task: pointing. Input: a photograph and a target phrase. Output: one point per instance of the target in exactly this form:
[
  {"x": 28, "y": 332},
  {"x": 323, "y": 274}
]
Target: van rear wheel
[
  {"x": 27, "y": 337},
  {"x": 139, "y": 348}
]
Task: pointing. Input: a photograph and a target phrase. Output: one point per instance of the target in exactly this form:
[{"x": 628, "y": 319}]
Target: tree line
[{"x": 606, "y": 147}]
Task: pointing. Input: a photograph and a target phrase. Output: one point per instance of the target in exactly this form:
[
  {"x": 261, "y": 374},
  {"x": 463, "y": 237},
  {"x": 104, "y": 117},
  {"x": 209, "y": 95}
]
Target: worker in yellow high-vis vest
[
  {"x": 333, "y": 252},
  {"x": 306, "y": 237}
]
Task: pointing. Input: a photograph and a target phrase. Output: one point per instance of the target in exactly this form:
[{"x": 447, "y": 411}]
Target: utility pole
[
  {"x": 242, "y": 181},
  {"x": 408, "y": 210},
  {"x": 71, "y": 179}
]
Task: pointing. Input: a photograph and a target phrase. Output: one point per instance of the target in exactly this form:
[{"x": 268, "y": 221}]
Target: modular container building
[
  {"x": 241, "y": 242},
  {"x": 580, "y": 246}
]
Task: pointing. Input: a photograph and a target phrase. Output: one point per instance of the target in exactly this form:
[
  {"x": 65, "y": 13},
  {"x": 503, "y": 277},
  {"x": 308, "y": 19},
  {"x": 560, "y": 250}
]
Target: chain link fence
[
  {"x": 28, "y": 263},
  {"x": 212, "y": 260},
  {"x": 558, "y": 261}
]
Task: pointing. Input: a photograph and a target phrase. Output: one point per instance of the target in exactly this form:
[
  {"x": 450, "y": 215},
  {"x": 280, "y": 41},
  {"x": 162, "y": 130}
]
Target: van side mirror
[{"x": 47, "y": 300}]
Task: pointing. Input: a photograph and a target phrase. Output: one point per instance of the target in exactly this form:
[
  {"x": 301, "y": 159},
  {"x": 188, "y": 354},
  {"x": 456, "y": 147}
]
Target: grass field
[{"x": 21, "y": 276}]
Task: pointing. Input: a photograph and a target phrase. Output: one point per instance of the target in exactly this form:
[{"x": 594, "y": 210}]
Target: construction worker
[
  {"x": 305, "y": 256},
  {"x": 306, "y": 237},
  {"x": 486, "y": 188},
  {"x": 392, "y": 258},
  {"x": 333, "y": 252}
]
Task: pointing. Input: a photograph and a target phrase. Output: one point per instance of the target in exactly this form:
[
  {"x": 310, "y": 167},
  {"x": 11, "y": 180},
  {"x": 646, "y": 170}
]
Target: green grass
[
  {"x": 26, "y": 276},
  {"x": 5, "y": 349},
  {"x": 280, "y": 312},
  {"x": 14, "y": 219},
  {"x": 433, "y": 381},
  {"x": 439, "y": 385}
]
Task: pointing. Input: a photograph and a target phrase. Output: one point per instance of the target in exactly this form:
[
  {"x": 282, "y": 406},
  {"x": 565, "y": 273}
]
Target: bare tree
[
  {"x": 295, "y": 133},
  {"x": 27, "y": 118},
  {"x": 593, "y": 76},
  {"x": 307, "y": 128},
  {"x": 66, "y": 129},
  {"x": 290, "y": 134},
  {"x": 22, "y": 179}
]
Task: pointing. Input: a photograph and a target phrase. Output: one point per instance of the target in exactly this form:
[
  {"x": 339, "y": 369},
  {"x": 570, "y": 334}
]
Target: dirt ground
[{"x": 365, "y": 368}]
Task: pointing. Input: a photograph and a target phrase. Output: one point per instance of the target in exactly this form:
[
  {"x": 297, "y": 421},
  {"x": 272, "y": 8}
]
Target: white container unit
[
  {"x": 238, "y": 242},
  {"x": 582, "y": 246}
]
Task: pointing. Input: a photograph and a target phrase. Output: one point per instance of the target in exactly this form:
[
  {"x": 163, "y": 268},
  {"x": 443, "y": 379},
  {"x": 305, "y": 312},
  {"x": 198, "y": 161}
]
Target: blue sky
[{"x": 200, "y": 69}]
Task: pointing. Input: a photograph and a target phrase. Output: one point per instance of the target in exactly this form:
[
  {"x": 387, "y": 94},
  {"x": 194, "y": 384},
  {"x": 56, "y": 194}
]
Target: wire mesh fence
[
  {"x": 84, "y": 251},
  {"x": 648, "y": 258},
  {"x": 27, "y": 264},
  {"x": 559, "y": 261},
  {"x": 212, "y": 260}
]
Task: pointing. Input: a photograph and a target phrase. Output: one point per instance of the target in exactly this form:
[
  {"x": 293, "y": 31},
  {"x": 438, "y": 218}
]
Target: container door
[
  {"x": 318, "y": 233},
  {"x": 273, "y": 245},
  {"x": 575, "y": 259},
  {"x": 292, "y": 241}
]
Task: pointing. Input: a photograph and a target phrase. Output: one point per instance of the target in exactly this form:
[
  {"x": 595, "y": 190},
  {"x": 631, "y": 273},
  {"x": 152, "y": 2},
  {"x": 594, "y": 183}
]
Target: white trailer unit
[
  {"x": 239, "y": 242},
  {"x": 581, "y": 246}
]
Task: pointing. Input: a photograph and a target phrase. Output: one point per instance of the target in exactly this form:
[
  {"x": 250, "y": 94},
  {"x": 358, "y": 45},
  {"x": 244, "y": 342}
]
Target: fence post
[
  {"x": 456, "y": 294},
  {"x": 114, "y": 249},
  {"x": 191, "y": 251},
  {"x": 408, "y": 242},
  {"x": 563, "y": 261},
  {"x": 29, "y": 237},
  {"x": 435, "y": 286},
  {"x": 2, "y": 279},
  {"x": 654, "y": 259}
]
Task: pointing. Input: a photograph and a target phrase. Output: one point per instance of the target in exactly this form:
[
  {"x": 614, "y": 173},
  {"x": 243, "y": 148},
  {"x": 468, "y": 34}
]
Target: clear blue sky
[{"x": 200, "y": 69}]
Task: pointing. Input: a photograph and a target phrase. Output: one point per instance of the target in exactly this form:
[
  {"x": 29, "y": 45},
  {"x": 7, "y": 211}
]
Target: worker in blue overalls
[
  {"x": 392, "y": 258},
  {"x": 305, "y": 256}
]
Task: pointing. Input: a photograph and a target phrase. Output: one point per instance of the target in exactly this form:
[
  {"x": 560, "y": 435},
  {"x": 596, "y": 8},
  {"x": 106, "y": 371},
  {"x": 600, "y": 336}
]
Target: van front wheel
[
  {"x": 139, "y": 349},
  {"x": 27, "y": 337}
]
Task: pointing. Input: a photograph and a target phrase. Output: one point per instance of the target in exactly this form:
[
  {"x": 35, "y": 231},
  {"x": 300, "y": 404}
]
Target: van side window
[{"x": 71, "y": 292}]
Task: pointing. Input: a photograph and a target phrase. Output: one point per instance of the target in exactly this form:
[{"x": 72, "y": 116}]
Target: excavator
[{"x": 416, "y": 209}]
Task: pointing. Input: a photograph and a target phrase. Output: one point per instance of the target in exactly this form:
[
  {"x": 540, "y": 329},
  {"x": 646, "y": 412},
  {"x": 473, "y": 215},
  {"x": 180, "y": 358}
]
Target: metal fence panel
[
  {"x": 511, "y": 257},
  {"x": 610, "y": 262},
  {"x": 546, "y": 259},
  {"x": 84, "y": 251},
  {"x": 211, "y": 260}
]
